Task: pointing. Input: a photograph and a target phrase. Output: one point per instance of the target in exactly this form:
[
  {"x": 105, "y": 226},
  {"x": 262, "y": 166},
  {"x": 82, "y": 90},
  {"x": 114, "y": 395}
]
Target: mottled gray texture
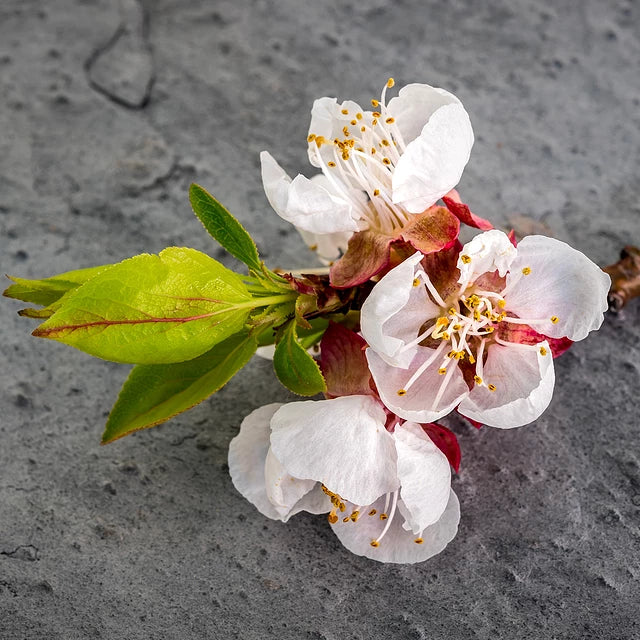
[{"x": 146, "y": 538}]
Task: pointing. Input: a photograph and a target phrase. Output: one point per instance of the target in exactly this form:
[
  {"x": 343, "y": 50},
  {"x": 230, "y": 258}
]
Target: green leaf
[
  {"x": 153, "y": 309},
  {"x": 309, "y": 337},
  {"x": 154, "y": 393},
  {"x": 295, "y": 368},
  {"x": 224, "y": 227},
  {"x": 50, "y": 290}
]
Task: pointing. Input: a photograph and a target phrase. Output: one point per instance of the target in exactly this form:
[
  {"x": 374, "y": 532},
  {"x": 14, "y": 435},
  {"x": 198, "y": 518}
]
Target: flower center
[{"x": 364, "y": 159}]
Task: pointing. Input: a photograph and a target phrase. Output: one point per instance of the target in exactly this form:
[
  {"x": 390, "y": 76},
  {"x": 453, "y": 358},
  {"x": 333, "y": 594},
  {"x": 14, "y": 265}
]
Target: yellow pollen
[
  {"x": 502, "y": 303},
  {"x": 418, "y": 540},
  {"x": 390, "y": 120},
  {"x": 373, "y": 150},
  {"x": 374, "y": 122},
  {"x": 345, "y": 130},
  {"x": 442, "y": 371},
  {"x": 451, "y": 354},
  {"x": 311, "y": 137},
  {"x": 460, "y": 355},
  {"x": 554, "y": 319},
  {"x": 472, "y": 360},
  {"x": 476, "y": 315},
  {"x": 374, "y": 543},
  {"x": 342, "y": 506},
  {"x": 446, "y": 336},
  {"x": 451, "y": 311},
  {"x": 376, "y": 192},
  {"x": 363, "y": 129},
  {"x": 457, "y": 327},
  {"x": 374, "y": 103},
  {"x": 376, "y": 114},
  {"x": 354, "y": 516},
  {"x": 386, "y": 161},
  {"x": 492, "y": 387},
  {"x": 526, "y": 271},
  {"x": 314, "y": 247},
  {"x": 345, "y": 112},
  {"x": 543, "y": 351},
  {"x": 490, "y": 329},
  {"x": 358, "y": 116},
  {"x": 332, "y": 517},
  {"x": 372, "y": 512},
  {"x": 401, "y": 392},
  {"x": 441, "y": 321},
  {"x": 320, "y": 140},
  {"x": 383, "y": 516},
  {"x": 390, "y": 83},
  {"x": 353, "y": 123},
  {"x": 384, "y": 143},
  {"x": 465, "y": 259},
  {"x": 477, "y": 379},
  {"x": 346, "y": 519},
  {"x": 345, "y": 155},
  {"x": 331, "y": 163},
  {"x": 416, "y": 282}
]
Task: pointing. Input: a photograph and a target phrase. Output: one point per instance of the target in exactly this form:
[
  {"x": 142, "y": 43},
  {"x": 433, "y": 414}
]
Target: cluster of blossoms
[{"x": 445, "y": 327}]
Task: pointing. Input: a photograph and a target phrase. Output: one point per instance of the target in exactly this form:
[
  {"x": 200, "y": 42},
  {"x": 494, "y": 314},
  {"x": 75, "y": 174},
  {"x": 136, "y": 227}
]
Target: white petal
[
  {"x": 419, "y": 404},
  {"x": 282, "y": 489},
  {"x": 303, "y": 202},
  {"x": 394, "y": 312},
  {"x": 433, "y": 163},
  {"x": 488, "y": 252},
  {"x": 414, "y": 105},
  {"x": 247, "y": 455},
  {"x": 327, "y": 246},
  {"x": 398, "y": 544},
  {"x": 425, "y": 476},
  {"x": 341, "y": 443},
  {"x": 266, "y": 352},
  {"x": 563, "y": 282},
  {"x": 524, "y": 380}
]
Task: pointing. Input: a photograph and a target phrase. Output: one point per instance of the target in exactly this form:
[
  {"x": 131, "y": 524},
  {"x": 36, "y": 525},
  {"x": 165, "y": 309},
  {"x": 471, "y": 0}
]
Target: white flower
[
  {"x": 388, "y": 495},
  {"x": 431, "y": 351},
  {"x": 379, "y": 167}
]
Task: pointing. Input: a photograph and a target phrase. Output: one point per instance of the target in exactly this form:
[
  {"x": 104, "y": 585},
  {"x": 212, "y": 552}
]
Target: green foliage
[
  {"x": 153, "y": 309},
  {"x": 295, "y": 368},
  {"x": 154, "y": 393},
  {"x": 224, "y": 227}
]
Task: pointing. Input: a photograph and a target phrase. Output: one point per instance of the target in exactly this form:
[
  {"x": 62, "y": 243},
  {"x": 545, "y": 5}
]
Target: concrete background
[{"x": 106, "y": 115}]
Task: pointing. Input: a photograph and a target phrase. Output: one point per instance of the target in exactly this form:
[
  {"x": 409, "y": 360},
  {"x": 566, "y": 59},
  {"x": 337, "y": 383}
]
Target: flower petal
[
  {"x": 524, "y": 380},
  {"x": 432, "y": 164},
  {"x": 247, "y": 456},
  {"x": 327, "y": 246},
  {"x": 282, "y": 489},
  {"x": 342, "y": 443},
  {"x": 487, "y": 252},
  {"x": 425, "y": 476},
  {"x": 398, "y": 544},
  {"x": 303, "y": 202},
  {"x": 563, "y": 283},
  {"x": 459, "y": 209},
  {"x": 394, "y": 312},
  {"x": 419, "y": 403}
]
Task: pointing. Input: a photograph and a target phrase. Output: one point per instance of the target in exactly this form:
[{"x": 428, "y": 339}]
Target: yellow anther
[
  {"x": 332, "y": 517},
  {"x": 314, "y": 247},
  {"x": 320, "y": 140},
  {"x": 376, "y": 114},
  {"x": 451, "y": 354},
  {"x": 376, "y": 192},
  {"x": 346, "y": 519},
  {"x": 354, "y": 516},
  {"x": 390, "y": 83},
  {"x": 363, "y": 128},
  {"x": 490, "y": 329},
  {"x": 401, "y": 392},
  {"x": 311, "y": 137},
  {"x": 345, "y": 155},
  {"x": 491, "y": 387},
  {"x": 331, "y": 164},
  {"x": 526, "y": 271},
  {"x": 416, "y": 282},
  {"x": 446, "y": 336},
  {"x": 460, "y": 355},
  {"x": 384, "y": 143},
  {"x": 374, "y": 103},
  {"x": 502, "y": 303},
  {"x": 554, "y": 319},
  {"x": 451, "y": 311},
  {"x": 442, "y": 371},
  {"x": 390, "y": 120},
  {"x": 465, "y": 259},
  {"x": 472, "y": 360},
  {"x": 353, "y": 123},
  {"x": 345, "y": 112},
  {"x": 543, "y": 351},
  {"x": 476, "y": 315},
  {"x": 372, "y": 512},
  {"x": 358, "y": 116},
  {"x": 342, "y": 506},
  {"x": 457, "y": 327},
  {"x": 374, "y": 543},
  {"x": 477, "y": 379},
  {"x": 386, "y": 161},
  {"x": 373, "y": 151},
  {"x": 441, "y": 321},
  {"x": 383, "y": 516},
  {"x": 374, "y": 122},
  {"x": 418, "y": 540}
]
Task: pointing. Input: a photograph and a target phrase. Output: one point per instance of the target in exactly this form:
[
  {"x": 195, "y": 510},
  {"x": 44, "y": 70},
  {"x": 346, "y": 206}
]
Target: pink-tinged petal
[
  {"x": 432, "y": 163},
  {"x": 303, "y": 202},
  {"x": 446, "y": 441},
  {"x": 433, "y": 230},
  {"x": 282, "y": 489},
  {"x": 562, "y": 284},
  {"x": 341, "y": 443},
  {"x": 512, "y": 237},
  {"x": 423, "y": 401},
  {"x": 414, "y": 105},
  {"x": 247, "y": 456},
  {"x": 343, "y": 363},
  {"x": 394, "y": 312},
  {"x": 487, "y": 252},
  {"x": 442, "y": 270},
  {"x": 463, "y": 213},
  {"x": 367, "y": 255},
  {"x": 524, "y": 334},
  {"x": 425, "y": 476},
  {"x": 398, "y": 544},
  {"x": 523, "y": 377}
]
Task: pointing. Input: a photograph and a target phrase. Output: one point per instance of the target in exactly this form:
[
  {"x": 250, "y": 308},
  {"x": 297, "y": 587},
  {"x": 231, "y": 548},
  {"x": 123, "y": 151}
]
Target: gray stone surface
[{"x": 146, "y": 538}]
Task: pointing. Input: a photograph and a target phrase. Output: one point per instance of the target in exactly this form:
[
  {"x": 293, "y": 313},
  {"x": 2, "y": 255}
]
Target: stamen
[
  {"x": 543, "y": 351},
  {"x": 311, "y": 137},
  {"x": 526, "y": 271},
  {"x": 442, "y": 370},
  {"x": 390, "y": 83},
  {"x": 345, "y": 112},
  {"x": 418, "y": 540},
  {"x": 478, "y": 379},
  {"x": 554, "y": 319},
  {"x": 372, "y": 512},
  {"x": 465, "y": 259},
  {"x": 394, "y": 504},
  {"x": 491, "y": 387},
  {"x": 401, "y": 392},
  {"x": 375, "y": 103}
]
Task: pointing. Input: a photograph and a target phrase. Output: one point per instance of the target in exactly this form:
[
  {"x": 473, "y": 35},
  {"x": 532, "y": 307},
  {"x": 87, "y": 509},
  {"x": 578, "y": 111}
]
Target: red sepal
[
  {"x": 446, "y": 441},
  {"x": 463, "y": 213}
]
